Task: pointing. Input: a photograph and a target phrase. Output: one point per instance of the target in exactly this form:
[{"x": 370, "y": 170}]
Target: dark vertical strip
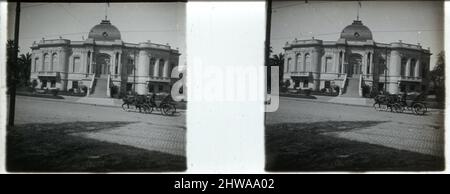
[
  {"x": 267, "y": 43},
  {"x": 12, "y": 90}
]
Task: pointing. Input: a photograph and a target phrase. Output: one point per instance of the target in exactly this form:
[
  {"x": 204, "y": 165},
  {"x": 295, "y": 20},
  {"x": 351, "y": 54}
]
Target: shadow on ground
[
  {"x": 50, "y": 147},
  {"x": 307, "y": 147}
]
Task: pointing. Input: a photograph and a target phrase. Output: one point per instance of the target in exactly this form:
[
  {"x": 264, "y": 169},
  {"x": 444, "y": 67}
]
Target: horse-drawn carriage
[
  {"x": 149, "y": 103},
  {"x": 400, "y": 103}
]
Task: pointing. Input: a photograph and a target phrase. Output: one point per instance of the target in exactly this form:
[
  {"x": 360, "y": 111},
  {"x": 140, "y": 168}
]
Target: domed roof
[
  {"x": 104, "y": 31},
  {"x": 356, "y": 32}
]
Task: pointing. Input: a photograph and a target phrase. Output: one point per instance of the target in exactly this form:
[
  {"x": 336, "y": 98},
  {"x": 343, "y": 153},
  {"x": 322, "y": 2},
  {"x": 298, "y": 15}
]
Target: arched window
[
  {"x": 151, "y": 66},
  {"x": 161, "y": 67},
  {"x": 36, "y": 64},
  {"x": 54, "y": 62},
  {"x": 368, "y": 63},
  {"x": 299, "y": 62},
  {"x": 76, "y": 64},
  {"x": 412, "y": 68},
  {"x": 403, "y": 67},
  {"x": 46, "y": 66},
  {"x": 289, "y": 63},
  {"x": 307, "y": 63},
  {"x": 88, "y": 62},
  {"x": 340, "y": 62},
  {"x": 328, "y": 64}
]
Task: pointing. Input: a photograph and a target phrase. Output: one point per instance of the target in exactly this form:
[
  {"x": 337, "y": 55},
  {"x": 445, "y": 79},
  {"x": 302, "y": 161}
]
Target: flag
[{"x": 359, "y": 3}]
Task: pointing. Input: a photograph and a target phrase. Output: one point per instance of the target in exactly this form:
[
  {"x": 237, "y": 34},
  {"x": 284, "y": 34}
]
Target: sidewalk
[
  {"x": 366, "y": 102},
  {"x": 105, "y": 102}
]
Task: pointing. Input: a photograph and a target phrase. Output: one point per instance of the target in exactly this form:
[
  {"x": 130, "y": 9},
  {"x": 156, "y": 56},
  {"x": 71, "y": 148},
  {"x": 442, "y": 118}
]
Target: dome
[
  {"x": 356, "y": 32},
  {"x": 104, "y": 31}
]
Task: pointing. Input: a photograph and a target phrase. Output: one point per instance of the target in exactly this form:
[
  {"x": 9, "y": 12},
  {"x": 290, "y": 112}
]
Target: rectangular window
[
  {"x": 327, "y": 84},
  {"x": 160, "y": 88},
  {"x": 328, "y": 64},
  {"x": 305, "y": 83},
  {"x": 151, "y": 88},
  {"x": 44, "y": 83},
  {"x": 76, "y": 64},
  {"x": 74, "y": 84},
  {"x": 129, "y": 87},
  {"x": 53, "y": 83}
]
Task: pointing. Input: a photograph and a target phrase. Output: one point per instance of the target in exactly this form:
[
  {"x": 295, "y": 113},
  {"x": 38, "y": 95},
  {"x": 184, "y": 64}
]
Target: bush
[
  {"x": 55, "y": 92},
  {"x": 307, "y": 91}
]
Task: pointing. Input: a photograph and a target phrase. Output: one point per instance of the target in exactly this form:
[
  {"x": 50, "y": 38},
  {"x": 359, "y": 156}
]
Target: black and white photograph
[
  {"x": 96, "y": 87},
  {"x": 361, "y": 86}
]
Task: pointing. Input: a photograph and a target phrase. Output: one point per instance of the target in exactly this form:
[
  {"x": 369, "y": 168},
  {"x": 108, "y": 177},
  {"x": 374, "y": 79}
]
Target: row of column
[
  {"x": 144, "y": 65},
  {"x": 416, "y": 68}
]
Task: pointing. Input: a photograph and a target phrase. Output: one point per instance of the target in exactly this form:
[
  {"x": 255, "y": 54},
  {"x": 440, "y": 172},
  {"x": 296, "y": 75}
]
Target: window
[
  {"x": 44, "y": 84},
  {"x": 129, "y": 87},
  {"x": 307, "y": 64},
  {"x": 412, "y": 87},
  {"x": 299, "y": 62},
  {"x": 161, "y": 68},
  {"x": 152, "y": 67},
  {"x": 403, "y": 67},
  {"x": 116, "y": 64},
  {"x": 36, "y": 64},
  {"x": 76, "y": 64},
  {"x": 381, "y": 66},
  {"x": 53, "y": 83},
  {"x": 327, "y": 84},
  {"x": 305, "y": 83},
  {"x": 130, "y": 66},
  {"x": 88, "y": 62},
  {"x": 160, "y": 88},
  {"x": 151, "y": 88},
  {"x": 412, "y": 70},
  {"x": 74, "y": 84},
  {"x": 46, "y": 63},
  {"x": 368, "y": 64},
  {"x": 289, "y": 61},
  {"x": 328, "y": 64},
  {"x": 54, "y": 62}
]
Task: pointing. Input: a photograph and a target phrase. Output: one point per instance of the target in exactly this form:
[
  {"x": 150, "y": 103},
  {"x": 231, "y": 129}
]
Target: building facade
[
  {"x": 103, "y": 64},
  {"x": 356, "y": 61}
]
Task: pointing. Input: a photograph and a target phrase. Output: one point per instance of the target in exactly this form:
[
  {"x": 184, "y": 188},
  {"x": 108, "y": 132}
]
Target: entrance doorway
[
  {"x": 102, "y": 64},
  {"x": 354, "y": 68}
]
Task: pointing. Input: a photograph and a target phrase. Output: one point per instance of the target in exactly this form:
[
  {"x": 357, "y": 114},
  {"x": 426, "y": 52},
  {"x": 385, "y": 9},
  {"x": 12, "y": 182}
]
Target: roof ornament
[
  {"x": 106, "y": 10},
  {"x": 357, "y": 14}
]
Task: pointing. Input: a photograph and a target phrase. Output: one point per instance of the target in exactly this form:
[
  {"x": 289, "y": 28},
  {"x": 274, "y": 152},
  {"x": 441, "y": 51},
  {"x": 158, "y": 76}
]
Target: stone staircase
[
  {"x": 100, "y": 89},
  {"x": 351, "y": 88}
]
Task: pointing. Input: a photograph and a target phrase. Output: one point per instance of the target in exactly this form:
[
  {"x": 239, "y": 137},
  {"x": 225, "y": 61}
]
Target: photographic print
[
  {"x": 361, "y": 86},
  {"x": 94, "y": 86}
]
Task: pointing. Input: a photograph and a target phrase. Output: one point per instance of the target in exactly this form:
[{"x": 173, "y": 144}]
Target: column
[
  {"x": 91, "y": 69},
  {"x": 417, "y": 71},
  {"x": 394, "y": 71},
  {"x": 142, "y": 72},
  {"x": 343, "y": 62},
  {"x": 156, "y": 68},
  {"x": 42, "y": 61},
  {"x": 371, "y": 69},
  {"x": 166, "y": 69},
  {"x": 120, "y": 64},
  {"x": 408, "y": 67}
]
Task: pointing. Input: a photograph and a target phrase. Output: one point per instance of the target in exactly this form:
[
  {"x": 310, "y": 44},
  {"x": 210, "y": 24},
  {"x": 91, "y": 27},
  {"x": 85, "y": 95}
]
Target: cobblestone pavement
[
  {"x": 147, "y": 131},
  {"x": 405, "y": 131}
]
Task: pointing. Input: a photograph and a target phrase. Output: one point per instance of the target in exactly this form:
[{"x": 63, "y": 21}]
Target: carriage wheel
[
  {"x": 419, "y": 109},
  {"x": 168, "y": 109}
]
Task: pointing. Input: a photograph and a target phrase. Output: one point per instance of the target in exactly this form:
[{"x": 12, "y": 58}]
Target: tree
[
  {"x": 437, "y": 76},
  {"x": 22, "y": 68},
  {"x": 278, "y": 60}
]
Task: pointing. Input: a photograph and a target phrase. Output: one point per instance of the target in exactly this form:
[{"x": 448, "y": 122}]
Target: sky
[
  {"x": 412, "y": 22},
  {"x": 138, "y": 22}
]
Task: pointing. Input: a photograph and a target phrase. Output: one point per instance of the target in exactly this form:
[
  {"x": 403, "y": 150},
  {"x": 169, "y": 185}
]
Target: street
[
  {"x": 346, "y": 124},
  {"x": 155, "y": 133}
]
